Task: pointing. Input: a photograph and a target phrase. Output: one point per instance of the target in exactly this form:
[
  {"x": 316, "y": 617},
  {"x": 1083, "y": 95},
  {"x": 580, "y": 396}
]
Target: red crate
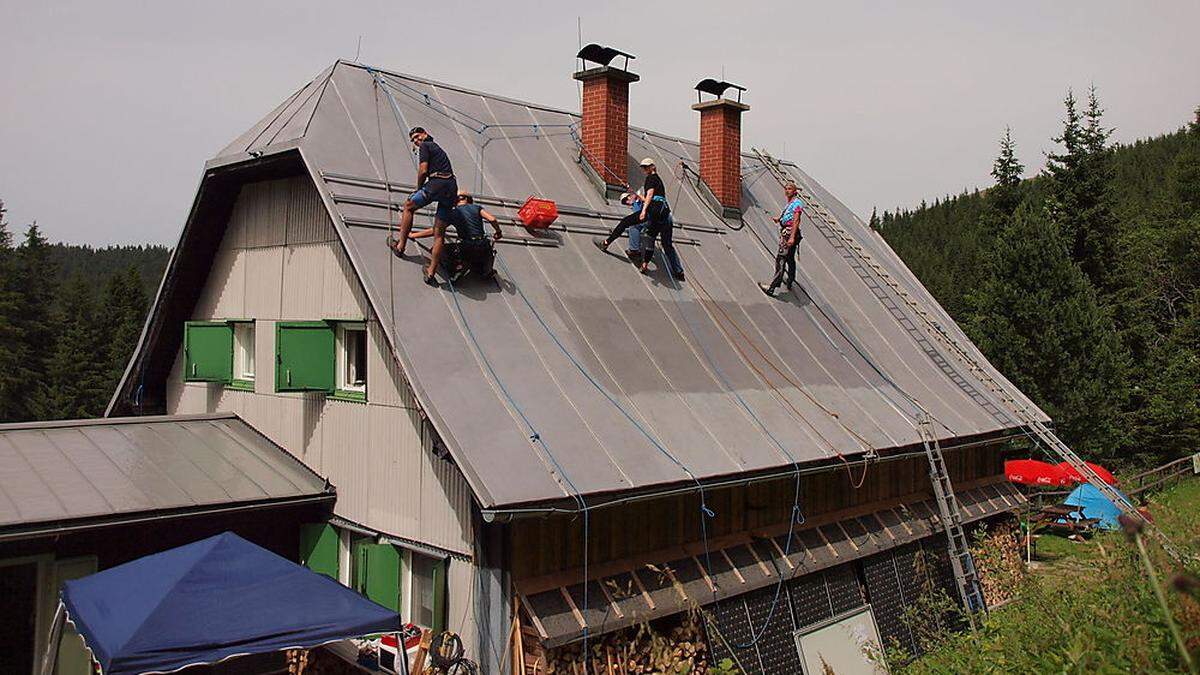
[{"x": 538, "y": 212}]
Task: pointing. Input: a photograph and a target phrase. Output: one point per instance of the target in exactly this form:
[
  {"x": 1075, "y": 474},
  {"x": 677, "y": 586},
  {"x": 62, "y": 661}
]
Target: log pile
[
  {"x": 674, "y": 646},
  {"x": 998, "y": 559}
]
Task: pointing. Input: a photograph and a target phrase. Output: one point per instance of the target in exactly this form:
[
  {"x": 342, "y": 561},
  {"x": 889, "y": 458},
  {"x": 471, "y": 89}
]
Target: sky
[{"x": 108, "y": 110}]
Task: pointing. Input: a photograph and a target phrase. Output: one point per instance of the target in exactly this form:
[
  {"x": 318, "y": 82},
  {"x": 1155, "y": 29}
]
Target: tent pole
[{"x": 50, "y": 658}]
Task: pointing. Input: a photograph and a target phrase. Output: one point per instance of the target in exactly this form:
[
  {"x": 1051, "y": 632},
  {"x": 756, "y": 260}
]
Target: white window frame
[
  {"x": 243, "y": 353},
  {"x": 343, "y": 357}
]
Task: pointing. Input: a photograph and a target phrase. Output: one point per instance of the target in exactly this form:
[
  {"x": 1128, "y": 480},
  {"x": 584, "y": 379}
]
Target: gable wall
[{"x": 280, "y": 260}]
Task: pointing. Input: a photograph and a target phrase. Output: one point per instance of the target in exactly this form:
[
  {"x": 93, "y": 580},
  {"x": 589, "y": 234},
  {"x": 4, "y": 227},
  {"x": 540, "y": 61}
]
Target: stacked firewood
[
  {"x": 639, "y": 649},
  {"x": 316, "y": 662},
  {"x": 998, "y": 559}
]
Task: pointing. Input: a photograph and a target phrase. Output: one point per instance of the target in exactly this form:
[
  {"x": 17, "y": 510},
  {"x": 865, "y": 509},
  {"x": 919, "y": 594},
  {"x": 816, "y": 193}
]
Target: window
[
  {"x": 427, "y": 591},
  {"x": 352, "y": 359},
  {"x": 243, "y": 353}
]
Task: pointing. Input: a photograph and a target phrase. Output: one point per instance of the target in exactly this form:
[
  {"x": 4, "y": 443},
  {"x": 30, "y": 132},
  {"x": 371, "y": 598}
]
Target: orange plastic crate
[{"x": 538, "y": 212}]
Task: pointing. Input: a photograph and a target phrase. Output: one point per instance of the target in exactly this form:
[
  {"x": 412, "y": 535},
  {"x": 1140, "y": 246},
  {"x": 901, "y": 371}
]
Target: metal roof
[
  {"x": 52, "y": 472},
  {"x": 628, "y": 382}
]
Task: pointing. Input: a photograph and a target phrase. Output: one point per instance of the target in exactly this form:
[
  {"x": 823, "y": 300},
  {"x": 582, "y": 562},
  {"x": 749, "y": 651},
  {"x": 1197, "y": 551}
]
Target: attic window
[{"x": 352, "y": 359}]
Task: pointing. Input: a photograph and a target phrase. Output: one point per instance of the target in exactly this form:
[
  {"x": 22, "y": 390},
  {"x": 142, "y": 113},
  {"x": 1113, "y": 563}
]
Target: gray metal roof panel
[
  {"x": 708, "y": 371},
  {"x": 109, "y": 468}
]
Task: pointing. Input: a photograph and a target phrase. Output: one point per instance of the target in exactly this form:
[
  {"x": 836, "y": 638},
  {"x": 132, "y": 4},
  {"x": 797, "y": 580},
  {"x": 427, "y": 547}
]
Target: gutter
[{"x": 505, "y": 515}]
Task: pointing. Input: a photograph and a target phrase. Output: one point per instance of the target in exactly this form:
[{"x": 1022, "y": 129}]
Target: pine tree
[
  {"x": 874, "y": 222},
  {"x": 34, "y": 289},
  {"x": 1007, "y": 170},
  {"x": 74, "y": 381},
  {"x": 123, "y": 311},
  {"x": 12, "y": 349},
  {"x": 1040, "y": 322},
  {"x": 1081, "y": 191}
]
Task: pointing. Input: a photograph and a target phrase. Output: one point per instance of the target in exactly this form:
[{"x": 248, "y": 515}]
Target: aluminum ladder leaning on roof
[{"x": 1038, "y": 429}]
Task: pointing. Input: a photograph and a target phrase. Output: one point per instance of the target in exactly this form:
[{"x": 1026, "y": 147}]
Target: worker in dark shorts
[
  {"x": 789, "y": 240},
  {"x": 656, "y": 213},
  {"x": 435, "y": 183},
  {"x": 473, "y": 252}
]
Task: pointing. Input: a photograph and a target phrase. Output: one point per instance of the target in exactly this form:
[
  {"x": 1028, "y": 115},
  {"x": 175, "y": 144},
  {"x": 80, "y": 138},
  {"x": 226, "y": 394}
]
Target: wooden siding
[
  {"x": 279, "y": 260},
  {"x": 546, "y": 545}
]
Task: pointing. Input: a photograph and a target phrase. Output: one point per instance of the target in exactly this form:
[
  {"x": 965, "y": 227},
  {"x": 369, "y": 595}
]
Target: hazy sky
[{"x": 109, "y": 109}]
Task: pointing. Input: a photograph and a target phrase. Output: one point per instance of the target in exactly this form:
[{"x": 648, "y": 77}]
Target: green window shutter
[
  {"x": 377, "y": 573},
  {"x": 439, "y": 596},
  {"x": 304, "y": 358},
  {"x": 319, "y": 548},
  {"x": 208, "y": 351}
]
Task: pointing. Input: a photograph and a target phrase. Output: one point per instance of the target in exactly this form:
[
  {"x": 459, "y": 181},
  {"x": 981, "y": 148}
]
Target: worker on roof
[
  {"x": 435, "y": 183},
  {"x": 789, "y": 240},
  {"x": 633, "y": 223},
  {"x": 473, "y": 252},
  {"x": 656, "y": 213}
]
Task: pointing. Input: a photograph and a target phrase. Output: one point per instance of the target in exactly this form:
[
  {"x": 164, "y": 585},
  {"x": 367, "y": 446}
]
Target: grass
[{"x": 1087, "y": 607}]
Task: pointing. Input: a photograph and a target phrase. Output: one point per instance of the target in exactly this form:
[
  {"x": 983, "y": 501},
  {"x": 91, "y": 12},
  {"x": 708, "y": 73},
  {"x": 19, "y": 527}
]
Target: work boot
[
  {"x": 459, "y": 274},
  {"x": 430, "y": 280},
  {"x": 768, "y": 289},
  {"x": 679, "y": 276},
  {"x": 601, "y": 244}
]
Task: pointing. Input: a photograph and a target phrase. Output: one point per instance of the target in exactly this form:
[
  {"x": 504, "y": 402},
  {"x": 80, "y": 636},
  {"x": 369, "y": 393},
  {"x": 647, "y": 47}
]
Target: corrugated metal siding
[
  {"x": 460, "y": 615},
  {"x": 280, "y": 260},
  {"x": 307, "y": 221}
]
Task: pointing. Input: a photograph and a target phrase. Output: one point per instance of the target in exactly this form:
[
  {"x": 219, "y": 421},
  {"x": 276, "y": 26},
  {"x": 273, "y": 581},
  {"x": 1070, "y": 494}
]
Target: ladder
[
  {"x": 1034, "y": 426},
  {"x": 966, "y": 579}
]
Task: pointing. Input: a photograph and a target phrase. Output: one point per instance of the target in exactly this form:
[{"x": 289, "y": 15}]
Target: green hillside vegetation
[
  {"x": 1082, "y": 284},
  {"x": 69, "y": 319}
]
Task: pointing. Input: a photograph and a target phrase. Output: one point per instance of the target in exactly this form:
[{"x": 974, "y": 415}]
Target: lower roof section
[
  {"x": 68, "y": 474},
  {"x": 624, "y": 594}
]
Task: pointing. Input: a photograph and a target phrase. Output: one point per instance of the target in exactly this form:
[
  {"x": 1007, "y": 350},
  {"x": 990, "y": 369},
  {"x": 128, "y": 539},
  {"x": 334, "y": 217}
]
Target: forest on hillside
[
  {"x": 1081, "y": 284},
  {"x": 69, "y": 319}
]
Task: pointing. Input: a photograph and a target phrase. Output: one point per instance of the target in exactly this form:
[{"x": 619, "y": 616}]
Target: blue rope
[{"x": 797, "y": 516}]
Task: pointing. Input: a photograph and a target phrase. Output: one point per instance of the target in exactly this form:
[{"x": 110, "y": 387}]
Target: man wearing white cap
[{"x": 657, "y": 214}]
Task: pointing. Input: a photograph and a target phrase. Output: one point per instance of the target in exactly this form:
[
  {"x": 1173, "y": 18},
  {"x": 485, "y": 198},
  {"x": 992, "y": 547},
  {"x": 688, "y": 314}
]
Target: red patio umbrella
[
  {"x": 1033, "y": 472},
  {"x": 1104, "y": 474}
]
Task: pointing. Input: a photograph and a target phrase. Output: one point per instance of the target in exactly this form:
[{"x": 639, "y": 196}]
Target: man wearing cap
[
  {"x": 435, "y": 183},
  {"x": 657, "y": 214},
  {"x": 631, "y": 222},
  {"x": 789, "y": 240}
]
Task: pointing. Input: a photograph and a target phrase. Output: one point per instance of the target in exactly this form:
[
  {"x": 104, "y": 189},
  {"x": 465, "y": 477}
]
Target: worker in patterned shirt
[{"x": 789, "y": 240}]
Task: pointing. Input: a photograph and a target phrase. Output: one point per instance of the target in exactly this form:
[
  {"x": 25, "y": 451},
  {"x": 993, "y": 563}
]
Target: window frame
[
  {"x": 239, "y": 376},
  {"x": 343, "y": 389},
  {"x": 439, "y": 581}
]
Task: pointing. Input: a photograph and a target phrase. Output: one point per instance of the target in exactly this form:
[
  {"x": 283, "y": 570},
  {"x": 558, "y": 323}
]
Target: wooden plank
[
  {"x": 642, "y": 587},
  {"x": 574, "y": 610},
  {"x": 827, "y": 544},
  {"x": 704, "y": 573},
  {"x": 847, "y": 535},
  {"x": 883, "y": 525},
  {"x": 761, "y": 565},
  {"x": 736, "y": 572}
]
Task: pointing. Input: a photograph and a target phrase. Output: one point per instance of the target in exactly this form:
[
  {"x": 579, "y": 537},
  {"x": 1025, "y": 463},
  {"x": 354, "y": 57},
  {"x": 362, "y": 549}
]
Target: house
[
  {"x": 84, "y": 495},
  {"x": 512, "y": 457}
]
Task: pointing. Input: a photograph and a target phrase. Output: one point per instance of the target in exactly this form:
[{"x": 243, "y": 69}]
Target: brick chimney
[
  {"x": 721, "y": 141},
  {"x": 605, "y": 128}
]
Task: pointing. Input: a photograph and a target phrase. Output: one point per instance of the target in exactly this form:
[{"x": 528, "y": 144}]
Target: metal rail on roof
[{"x": 494, "y": 200}]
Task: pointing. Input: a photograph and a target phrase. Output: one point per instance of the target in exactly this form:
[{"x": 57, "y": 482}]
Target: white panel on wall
[
  {"x": 387, "y": 384},
  {"x": 395, "y": 457},
  {"x": 264, "y": 356},
  {"x": 461, "y": 594},
  {"x": 343, "y": 293},
  {"x": 307, "y": 220},
  {"x": 445, "y": 516},
  {"x": 264, "y": 282},
  {"x": 235, "y": 230},
  {"x": 345, "y": 434},
  {"x": 303, "y": 281}
]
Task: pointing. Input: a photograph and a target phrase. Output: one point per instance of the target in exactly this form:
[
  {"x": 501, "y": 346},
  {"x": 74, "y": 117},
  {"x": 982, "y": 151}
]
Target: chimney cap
[
  {"x": 717, "y": 88},
  {"x": 603, "y": 55}
]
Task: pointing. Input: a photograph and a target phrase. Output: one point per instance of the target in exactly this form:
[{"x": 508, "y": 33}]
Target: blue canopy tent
[
  {"x": 211, "y": 600},
  {"x": 1095, "y": 505}
]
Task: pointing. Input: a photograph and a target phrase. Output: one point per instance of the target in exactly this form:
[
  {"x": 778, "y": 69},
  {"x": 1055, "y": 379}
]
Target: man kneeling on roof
[
  {"x": 473, "y": 252},
  {"x": 633, "y": 223},
  {"x": 435, "y": 183},
  {"x": 789, "y": 240}
]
